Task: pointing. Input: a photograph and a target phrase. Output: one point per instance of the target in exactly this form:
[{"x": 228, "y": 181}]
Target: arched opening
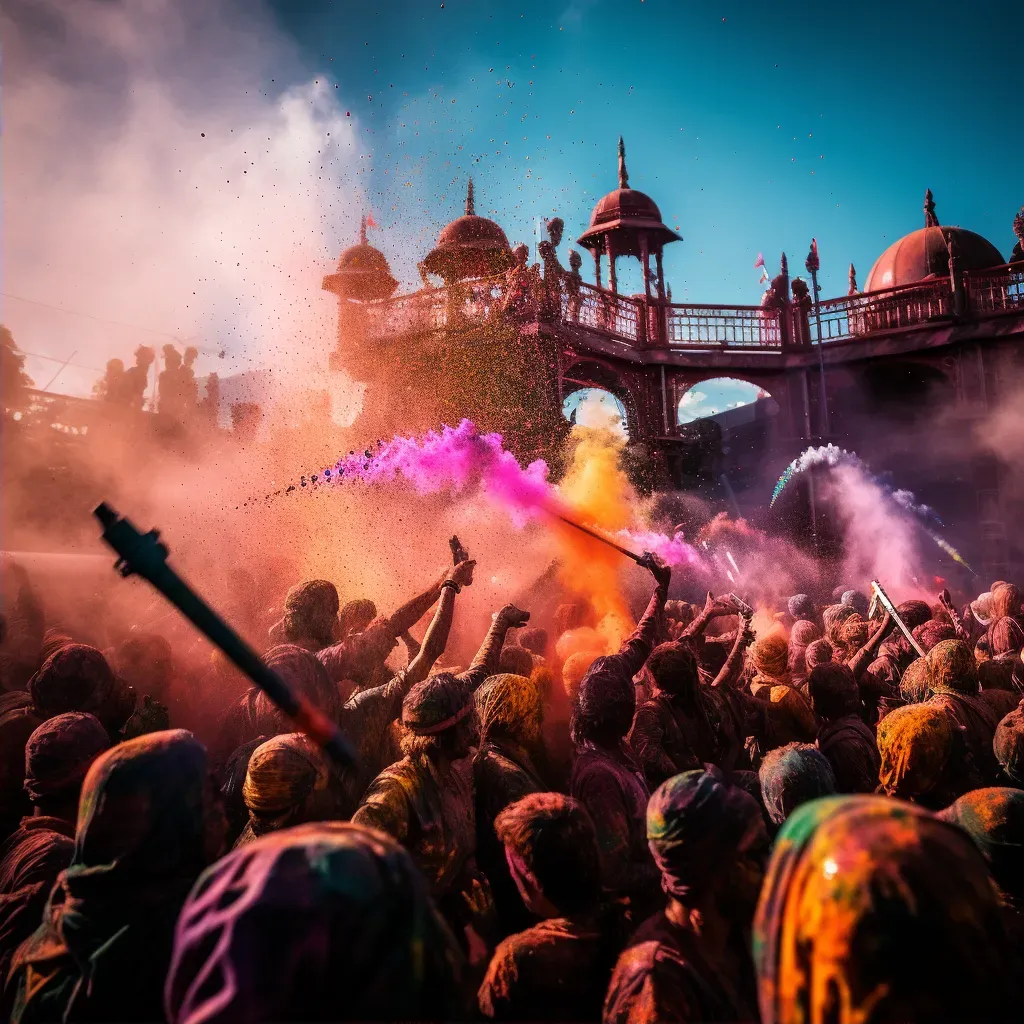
[
  {"x": 726, "y": 425},
  {"x": 596, "y": 407}
]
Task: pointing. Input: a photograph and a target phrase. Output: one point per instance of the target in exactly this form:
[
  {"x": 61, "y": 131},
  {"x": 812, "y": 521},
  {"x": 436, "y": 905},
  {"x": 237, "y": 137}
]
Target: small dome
[
  {"x": 626, "y": 214},
  {"x": 924, "y": 254},
  {"x": 363, "y": 273},
  {"x": 470, "y": 246}
]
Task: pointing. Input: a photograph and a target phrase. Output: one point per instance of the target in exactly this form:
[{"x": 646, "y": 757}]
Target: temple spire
[
  {"x": 930, "y": 220},
  {"x": 623, "y": 175},
  {"x": 470, "y": 204},
  {"x": 853, "y": 280},
  {"x": 784, "y": 266},
  {"x": 362, "y": 230}
]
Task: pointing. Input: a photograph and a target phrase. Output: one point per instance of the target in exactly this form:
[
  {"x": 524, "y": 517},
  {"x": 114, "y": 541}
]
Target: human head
[
  {"x": 952, "y": 668},
  {"x": 933, "y": 632},
  {"x": 439, "y": 718},
  {"x": 833, "y": 691},
  {"x": 915, "y": 744},
  {"x": 286, "y": 783},
  {"x": 575, "y": 260},
  {"x": 75, "y": 677},
  {"x": 534, "y": 639},
  {"x": 832, "y": 619},
  {"x": 914, "y": 613},
  {"x": 804, "y": 632},
  {"x": 793, "y": 775},
  {"x": 994, "y": 819},
  {"x": 310, "y": 613},
  {"x": 58, "y": 756},
  {"x": 604, "y": 707},
  {"x": 800, "y": 606},
  {"x": 916, "y": 682},
  {"x": 515, "y": 660},
  {"x": 874, "y": 910},
  {"x": 707, "y": 836},
  {"x": 1008, "y": 746},
  {"x": 305, "y": 676},
  {"x": 674, "y": 670},
  {"x": 853, "y": 634},
  {"x": 317, "y": 922},
  {"x": 355, "y": 616},
  {"x": 1006, "y": 601},
  {"x": 521, "y": 253},
  {"x": 857, "y": 601},
  {"x": 550, "y": 842},
  {"x": 769, "y": 654},
  {"x": 819, "y": 652},
  {"x": 575, "y": 668},
  {"x": 509, "y": 706}
]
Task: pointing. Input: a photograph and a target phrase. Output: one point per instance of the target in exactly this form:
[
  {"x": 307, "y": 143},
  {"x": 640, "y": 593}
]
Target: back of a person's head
[
  {"x": 534, "y": 639},
  {"x": 573, "y": 671},
  {"x": 793, "y": 775},
  {"x": 1008, "y": 746},
  {"x": 833, "y": 691},
  {"x": 313, "y": 923},
  {"x": 874, "y": 910},
  {"x": 674, "y": 669},
  {"x": 604, "y": 707},
  {"x": 283, "y": 780},
  {"x": 515, "y": 661},
  {"x": 800, "y": 606},
  {"x": 75, "y": 677},
  {"x": 555, "y": 839},
  {"x": 58, "y": 756},
  {"x": 914, "y": 613}
]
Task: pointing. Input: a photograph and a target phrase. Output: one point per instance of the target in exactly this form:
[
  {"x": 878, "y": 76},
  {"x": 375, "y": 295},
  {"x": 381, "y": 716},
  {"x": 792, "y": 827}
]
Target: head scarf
[
  {"x": 1006, "y": 601},
  {"x": 914, "y": 613},
  {"x": 74, "y": 678},
  {"x": 952, "y": 668},
  {"x": 994, "y": 819},
  {"x": 509, "y": 705},
  {"x": 305, "y": 675},
  {"x": 1008, "y": 746},
  {"x": 437, "y": 704},
  {"x": 318, "y": 922},
  {"x": 283, "y": 777},
  {"x": 534, "y": 639},
  {"x": 853, "y": 633},
  {"x": 916, "y": 682},
  {"x": 800, "y": 606},
  {"x": 874, "y": 910},
  {"x": 310, "y": 614},
  {"x": 793, "y": 775},
  {"x": 818, "y": 653},
  {"x": 915, "y": 743},
  {"x": 981, "y": 608},
  {"x": 695, "y": 822},
  {"x": 832, "y": 618},
  {"x": 803, "y": 633},
  {"x": 856, "y": 600},
  {"x": 60, "y": 752},
  {"x": 770, "y": 654},
  {"x": 516, "y": 661},
  {"x": 933, "y": 632}
]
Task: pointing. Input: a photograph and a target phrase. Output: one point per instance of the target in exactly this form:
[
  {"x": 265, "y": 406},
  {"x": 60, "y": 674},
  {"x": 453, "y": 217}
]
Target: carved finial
[
  {"x": 470, "y": 204},
  {"x": 930, "y": 220},
  {"x": 623, "y": 175},
  {"x": 784, "y": 266},
  {"x": 362, "y": 230},
  {"x": 853, "y": 280},
  {"x": 668, "y": 293},
  {"x": 1018, "y": 226}
]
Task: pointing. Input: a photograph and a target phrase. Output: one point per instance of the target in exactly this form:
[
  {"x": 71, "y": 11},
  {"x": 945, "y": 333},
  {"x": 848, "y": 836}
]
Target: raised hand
[
  {"x": 512, "y": 617},
  {"x": 462, "y": 574}
]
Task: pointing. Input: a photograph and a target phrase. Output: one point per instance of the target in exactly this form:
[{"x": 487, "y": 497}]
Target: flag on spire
[
  {"x": 370, "y": 222},
  {"x": 759, "y": 262}
]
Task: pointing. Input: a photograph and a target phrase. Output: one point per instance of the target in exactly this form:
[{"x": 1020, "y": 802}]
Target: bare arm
[
  {"x": 485, "y": 663},
  {"x": 713, "y": 609},
  {"x": 744, "y": 637},
  {"x": 860, "y": 661}
]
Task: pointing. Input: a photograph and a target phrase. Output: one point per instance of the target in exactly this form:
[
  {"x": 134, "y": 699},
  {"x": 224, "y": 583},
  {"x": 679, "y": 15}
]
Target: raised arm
[
  {"x": 713, "y": 609},
  {"x": 638, "y": 645},
  {"x": 413, "y": 610},
  {"x": 860, "y": 661},
  {"x": 485, "y": 663},
  {"x": 436, "y": 638},
  {"x": 744, "y": 638},
  {"x": 946, "y": 600}
]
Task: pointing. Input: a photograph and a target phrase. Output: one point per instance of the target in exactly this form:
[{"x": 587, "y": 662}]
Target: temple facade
[{"x": 904, "y": 370}]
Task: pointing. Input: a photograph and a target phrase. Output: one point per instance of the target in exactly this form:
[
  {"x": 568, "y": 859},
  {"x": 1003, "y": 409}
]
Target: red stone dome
[
  {"x": 625, "y": 214},
  {"x": 363, "y": 273},
  {"x": 470, "y": 246},
  {"x": 924, "y": 254}
]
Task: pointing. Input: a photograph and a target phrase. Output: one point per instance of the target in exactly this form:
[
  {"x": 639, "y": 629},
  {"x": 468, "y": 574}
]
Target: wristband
[{"x": 454, "y": 586}]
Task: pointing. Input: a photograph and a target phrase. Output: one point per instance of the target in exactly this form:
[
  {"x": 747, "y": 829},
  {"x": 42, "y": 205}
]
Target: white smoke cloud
[{"x": 171, "y": 164}]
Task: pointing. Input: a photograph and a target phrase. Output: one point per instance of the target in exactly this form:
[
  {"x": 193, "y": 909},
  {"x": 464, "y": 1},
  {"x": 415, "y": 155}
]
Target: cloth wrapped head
[
  {"x": 509, "y": 706},
  {"x": 857, "y": 601},
  {"x": 952, "y": 668},
  {"x": 833, "y": 691},
  {"x": 437, "y": 704},
  {"x": 305, "y": 675},
  {"x": 832, "y": 619},
  {"x": 769, "y": 654},
  {"x": 355, "y": 616},
  {"x": 793, "y": 775},
  {"x": 695, "y": 825},
  {"x": 800, "y": 606},
  {"x": 874, "y": 910},
  {"x": 534, "y": 639},
  {"x": 75, "y": 677},
  {"x": 317, "y": 922},
  {"x": 915, "y": 743},
  {"x": 1008, "y": 746},
  {"x": 916, "y": 682},
  {"x": 914, "y": 613},
  {"x": 819, "y": 652},
  {"x": 933, "y": 632},
  {"x": 994, "y": 819},
  {"x": 310, "y": 614},
  {"x": 59, "y": 754},
  {"x": 517, "y": 661},
  {"x": 286, "y": 779}
]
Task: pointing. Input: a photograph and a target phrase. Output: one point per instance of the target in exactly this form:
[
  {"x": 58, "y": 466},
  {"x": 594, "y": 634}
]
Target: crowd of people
[{"x": 820, "y": 820}]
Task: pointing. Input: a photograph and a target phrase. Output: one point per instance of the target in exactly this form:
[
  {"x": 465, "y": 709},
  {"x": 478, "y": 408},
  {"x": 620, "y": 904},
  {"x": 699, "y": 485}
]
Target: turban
[
  {"x": 994, "y": 819},
  {"x": 933, "y": 632},
  {"x": 283, "y": 775},
  {"x": 803, "y": 633},
  {"x": 1008, "y": 746},
  {"x": 770, "y": 654},
  {"x": 915, "y": 744},
  {"x": 833, "y": 617},
  {"x": 916, "y": 682},
  {"x": 310, "y": 612},
  {"x": 793, "y": 775},
  {"x": 515, "y": 660},
  {"x": 437, "y": 704},
  {"x": 953, "y": 668},
  {"x": 59, "y": 753},
  {"x": 800, "y": 606},
  {"x": 74, "y": 678},
  {"x": 854, "y": 632},
  {"x": 695, "y": 823},
  {"x": 818, "y": 653},
  {"x": 914, "y": 613},
  {"x": 509, "y": 705},
  {"x": 533, "y": 639}
]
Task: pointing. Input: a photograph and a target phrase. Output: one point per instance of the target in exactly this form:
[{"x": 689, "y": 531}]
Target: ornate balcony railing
[
  {"x": 999, "y": 290},
  {"x": 604, "y": 311},
  {"x": 748, "y": 327},
  {"x": 854, "y": 316}
]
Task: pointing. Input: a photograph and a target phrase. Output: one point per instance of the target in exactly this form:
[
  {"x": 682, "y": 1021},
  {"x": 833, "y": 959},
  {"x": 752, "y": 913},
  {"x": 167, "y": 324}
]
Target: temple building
[{"x": 904, "y": 369}]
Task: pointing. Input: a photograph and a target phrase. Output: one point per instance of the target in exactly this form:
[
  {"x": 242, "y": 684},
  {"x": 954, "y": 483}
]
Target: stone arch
[{"x": 592, "y": 373}]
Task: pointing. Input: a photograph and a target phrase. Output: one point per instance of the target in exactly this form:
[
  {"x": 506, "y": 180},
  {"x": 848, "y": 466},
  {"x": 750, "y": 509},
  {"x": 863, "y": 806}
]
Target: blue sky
[{"x": 754, "y": 126}]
